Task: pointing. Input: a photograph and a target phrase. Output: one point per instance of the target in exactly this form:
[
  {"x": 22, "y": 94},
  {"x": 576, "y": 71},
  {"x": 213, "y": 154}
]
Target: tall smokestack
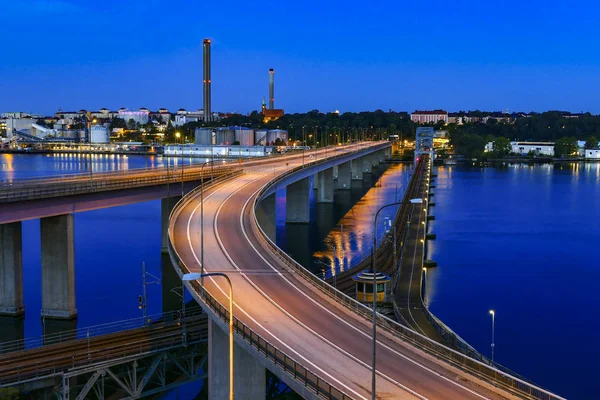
[
  {"x": 271, "y": 89},
  {"x": 206, "y": 83}
]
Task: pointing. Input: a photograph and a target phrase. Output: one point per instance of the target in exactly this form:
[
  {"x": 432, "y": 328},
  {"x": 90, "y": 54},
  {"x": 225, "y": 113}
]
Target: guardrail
[
  {"x": 444, "y": 353},
  {"x": 93, "y": 331},
  {"x": 108, "y": 182},
  {"x": 55, "y": 360},
  {"x": 289, "y": 365}
]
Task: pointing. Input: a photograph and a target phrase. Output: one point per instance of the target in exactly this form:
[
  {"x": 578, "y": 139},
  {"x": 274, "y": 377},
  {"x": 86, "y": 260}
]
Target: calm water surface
[{"x": 522, "y": 240}]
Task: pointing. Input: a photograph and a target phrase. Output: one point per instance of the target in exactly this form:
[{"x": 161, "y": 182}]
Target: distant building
[
  {"x": 537, "y": 148},
  {"x": 15, "y": 115},
  {"x": 14, "y": 125},
  {"x": 429, "y": 117},
  {"x": 270, "y": 114},
  {"x": 141, "y": 116},
  {"x": 592, "y": 154}
]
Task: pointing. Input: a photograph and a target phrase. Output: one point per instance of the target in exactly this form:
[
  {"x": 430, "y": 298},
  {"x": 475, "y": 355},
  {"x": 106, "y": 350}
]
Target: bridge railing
[
  {"x": 108, "y": 182},
  {"x": 93, "y": 331},
  {"x": 289, "y": 365},
  {"x": 444, "y": 353}
]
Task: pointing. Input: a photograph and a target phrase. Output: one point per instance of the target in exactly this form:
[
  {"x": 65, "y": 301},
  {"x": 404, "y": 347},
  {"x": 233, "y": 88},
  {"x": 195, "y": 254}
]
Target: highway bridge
[{"x": 310, "y": 335}]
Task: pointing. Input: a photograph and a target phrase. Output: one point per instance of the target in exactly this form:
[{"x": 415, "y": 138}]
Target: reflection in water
[{"x": 350, "y": 241}]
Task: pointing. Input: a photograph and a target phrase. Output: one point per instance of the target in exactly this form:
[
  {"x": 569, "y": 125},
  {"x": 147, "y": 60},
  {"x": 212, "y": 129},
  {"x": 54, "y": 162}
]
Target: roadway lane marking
[
  {"x": 342, "y": 320},
  {"x": 240, "y": 308},
  {"x": 412, "y": 271}
]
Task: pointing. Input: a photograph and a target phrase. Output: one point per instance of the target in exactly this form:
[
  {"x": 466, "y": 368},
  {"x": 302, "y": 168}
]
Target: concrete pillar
[
  {"x": 367, "y": 164},
  {"x": 171, "y": 301},
  {"x": 325, "y": 194},
  {"x": 12, "y": 328},
  {"x": 357, "y": 172},
  {"x": 11, "y": 270},
  {"x": 344, "y": 175},
  {"x": 335, "y": 171},
  {"x": 298, "y": 202},
  {"x": 58, "y": 266},
  {"x": 166, "y": 206},
  {"x": 249, "y": 375},
  {"x": 381, "y": 156},
  {"x": 267, "y": 216}
]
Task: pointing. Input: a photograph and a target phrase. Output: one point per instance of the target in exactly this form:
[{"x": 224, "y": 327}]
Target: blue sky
[{"x": 346, "y": 55}]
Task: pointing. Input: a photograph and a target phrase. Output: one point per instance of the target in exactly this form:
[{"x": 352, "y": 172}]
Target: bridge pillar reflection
[
  {"x": 166, "y": 206},
  {"x": 325, "y": 184},
  {"x": 297, "y": 205},
  {"x": 344, "y": 176},
  {"x": 249, "y": 375},
  {"x": 58, "y": 266},
  {"x": 267, "y": 217},
  {"x": 357, "y": 172},
  {"x": 11, "y": 269}
]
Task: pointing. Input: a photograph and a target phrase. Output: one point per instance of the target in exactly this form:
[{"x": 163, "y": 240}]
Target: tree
[
  {"x": 469, "y": 145},
  {"x": 591, "y": 142},
  {"x": 117, "y": 123},
  {"x": 131, "y": 124},
  {"x": 565, "y": 146},
  {"x": 501, "y": 146}
]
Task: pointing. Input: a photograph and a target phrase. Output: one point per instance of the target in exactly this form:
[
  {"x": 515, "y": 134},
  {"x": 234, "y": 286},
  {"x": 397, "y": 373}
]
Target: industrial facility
[
  {"x": 271, "y": 113},
  {"x": 240, "y": 136}
]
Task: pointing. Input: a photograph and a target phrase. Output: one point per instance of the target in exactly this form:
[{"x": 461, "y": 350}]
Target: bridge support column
[
  {"x": 357, "y": 172},
  {"x": 11, "y": 270},
  {"x": 367, "y": 164},
  {"x": 249, "y": 375},
  {"x": 267, "y": 217},
  {"x": 325, "y": 193},
  {"x": 166, "y": 206},
  {"x": 297, "y": 202},
  {"x": 344, "y": 175},
  {"x": 58, "y": 266}
]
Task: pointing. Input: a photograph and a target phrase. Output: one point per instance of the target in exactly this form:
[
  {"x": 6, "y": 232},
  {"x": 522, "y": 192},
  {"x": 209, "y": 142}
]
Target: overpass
[{"x": 313, "y": 337}]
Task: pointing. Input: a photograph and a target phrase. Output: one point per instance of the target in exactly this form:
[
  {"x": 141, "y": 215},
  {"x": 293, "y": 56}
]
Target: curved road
[{"x": 288, "y": 312}]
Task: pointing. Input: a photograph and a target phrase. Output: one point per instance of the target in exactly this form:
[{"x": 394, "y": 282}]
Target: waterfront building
[
  {"x": 429, "y": 117},
  {"x": 538, "y": 148},
  {"x": 592, "y": 154}
]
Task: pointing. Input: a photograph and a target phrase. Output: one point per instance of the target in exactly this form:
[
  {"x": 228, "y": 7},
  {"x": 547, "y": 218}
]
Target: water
[{"x": 521, "y": 240}]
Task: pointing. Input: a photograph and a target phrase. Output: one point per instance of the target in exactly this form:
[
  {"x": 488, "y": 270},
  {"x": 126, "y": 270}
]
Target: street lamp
[
  {"x": 412, "y": 201},
  {"x": 493, "y": 314},
  {"x": 178, "y": 135},
  {"x": 195, "y": 276}
]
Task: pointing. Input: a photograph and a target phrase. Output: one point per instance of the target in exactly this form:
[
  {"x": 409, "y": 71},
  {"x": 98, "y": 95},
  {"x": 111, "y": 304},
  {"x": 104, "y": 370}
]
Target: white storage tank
[
  {"x": 274, "y": 134},
  {"x": 99, "y": 134},
  {"x": 224, "y": 136},
  {"x": 243, "y": 135},
  {"x": 204, "y": 136},
  {"x": 260, "y": 137}
]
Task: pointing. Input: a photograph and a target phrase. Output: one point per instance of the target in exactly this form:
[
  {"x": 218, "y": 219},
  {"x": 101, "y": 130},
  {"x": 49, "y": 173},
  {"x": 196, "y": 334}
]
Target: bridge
[
  {"x": 313, "y": 337},
  {"x": 129, "y": 358},
  {"x": 310, "y": 335}
]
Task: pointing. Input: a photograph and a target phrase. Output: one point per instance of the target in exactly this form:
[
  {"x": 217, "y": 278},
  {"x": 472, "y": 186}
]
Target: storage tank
[
  {"x": 260, "y": 137},
  {"x": 274, "y": 134},
  {"x": 224, "y": 136},
  {"x": 99, "y": 134},
  {"x": 204, "y": 136},
  {"x": 243, "y": 135}
]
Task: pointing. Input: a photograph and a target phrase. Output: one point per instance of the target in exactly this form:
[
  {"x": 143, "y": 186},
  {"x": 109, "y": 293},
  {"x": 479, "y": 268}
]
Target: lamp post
[
  {"x": 493, "y": 313},
  {"x": 374, "y": 251},
  {"x": 195, "y": 276}
]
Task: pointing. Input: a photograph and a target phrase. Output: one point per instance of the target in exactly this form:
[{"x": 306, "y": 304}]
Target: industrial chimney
[
  {"x": 206, "y": 83},
  {"x": 271, "y": 89}
]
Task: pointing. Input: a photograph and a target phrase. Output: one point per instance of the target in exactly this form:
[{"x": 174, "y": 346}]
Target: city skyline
[{"x": 520, "y": 57}]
